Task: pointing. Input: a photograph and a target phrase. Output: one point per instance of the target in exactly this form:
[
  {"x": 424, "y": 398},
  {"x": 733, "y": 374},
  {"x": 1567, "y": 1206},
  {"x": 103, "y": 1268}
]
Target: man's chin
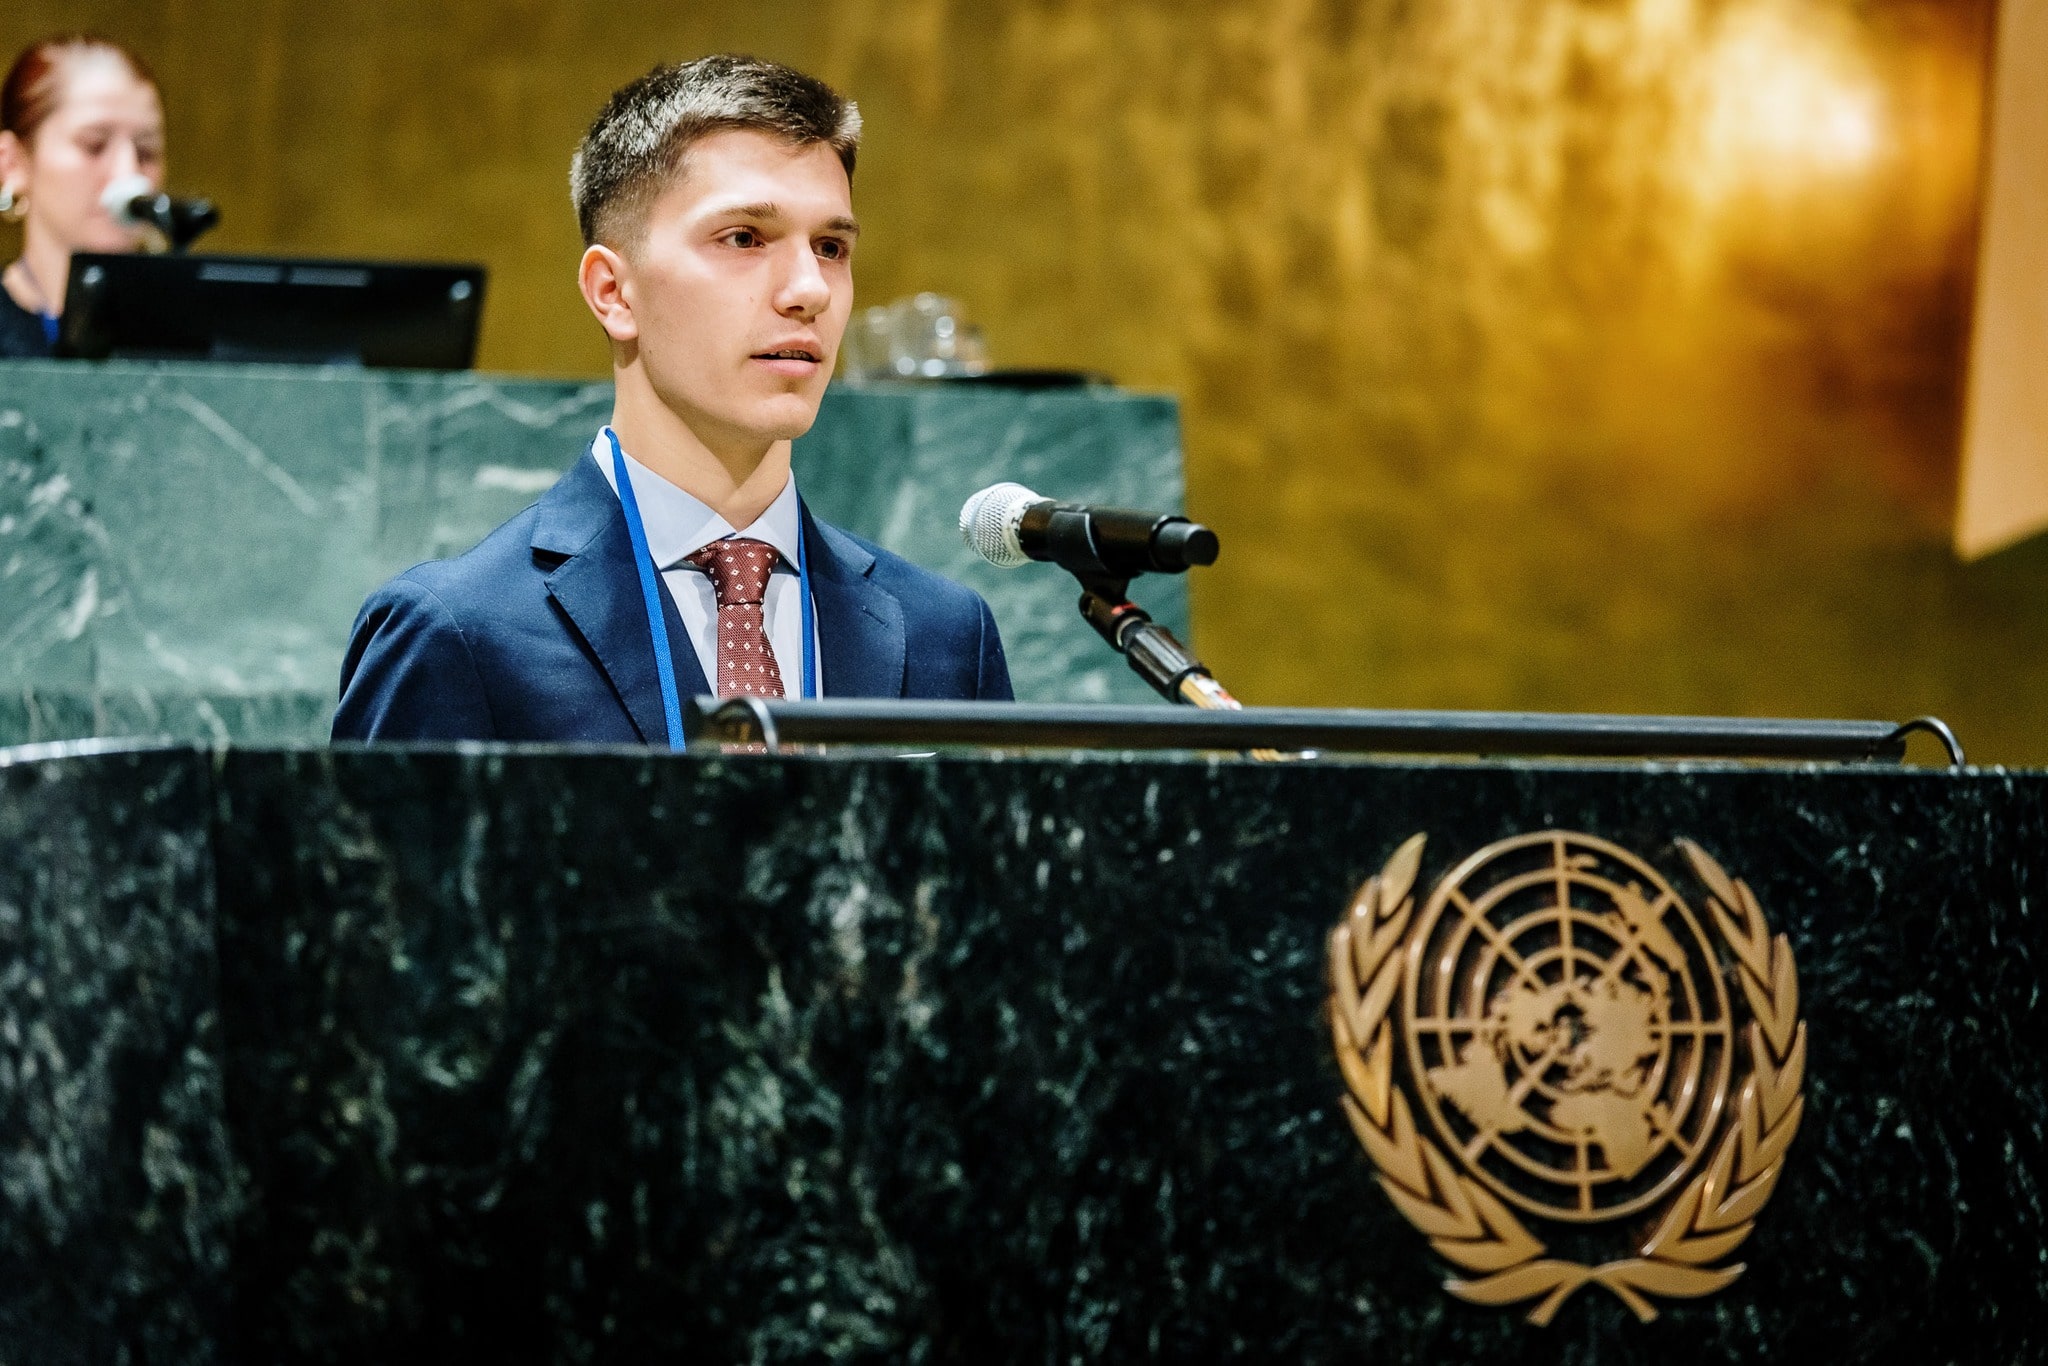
[
  {"x": 782, "y": 417},
  {"x": 795, "y": 410}
]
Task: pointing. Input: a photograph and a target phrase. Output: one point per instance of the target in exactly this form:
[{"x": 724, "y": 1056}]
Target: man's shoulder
[
  {"x": 479, "y": 580},
  {"x": 949, "y": 646},
  {"x": 918, "y": 588},
  {"x": 476, "y": 646}
]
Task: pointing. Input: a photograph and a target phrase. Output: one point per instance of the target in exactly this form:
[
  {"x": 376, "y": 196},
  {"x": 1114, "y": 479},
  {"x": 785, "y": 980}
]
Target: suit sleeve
[
  {"x": 409, "y": 673},
  {"x": 993, "y": 682}
]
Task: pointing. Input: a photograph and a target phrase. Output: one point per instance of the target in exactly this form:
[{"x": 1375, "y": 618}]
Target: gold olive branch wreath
[{"x": 1469, "y": 1226}]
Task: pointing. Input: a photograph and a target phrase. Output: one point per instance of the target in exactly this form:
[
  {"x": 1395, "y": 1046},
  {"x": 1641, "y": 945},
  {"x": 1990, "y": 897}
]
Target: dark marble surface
[
  {"x": 117, "y": 1187},
  {"x": 604, "y": 1057},
  {"x": 183, "y": 547}
]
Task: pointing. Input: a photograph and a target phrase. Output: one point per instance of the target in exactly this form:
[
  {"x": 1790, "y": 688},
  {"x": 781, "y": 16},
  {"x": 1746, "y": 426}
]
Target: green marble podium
[
  {"x": 184, "y": 547},
  {"x": 484, "y": 1054}
]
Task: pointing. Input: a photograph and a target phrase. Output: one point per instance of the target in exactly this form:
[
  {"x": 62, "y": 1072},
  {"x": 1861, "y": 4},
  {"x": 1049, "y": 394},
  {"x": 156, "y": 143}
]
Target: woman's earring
[{"x": 12, "y": 205}]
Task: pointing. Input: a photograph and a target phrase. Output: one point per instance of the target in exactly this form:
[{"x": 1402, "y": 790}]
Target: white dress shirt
[{"x": 677, "y": 525}]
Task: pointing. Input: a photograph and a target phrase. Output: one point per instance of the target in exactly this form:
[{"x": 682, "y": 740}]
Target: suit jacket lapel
[
  {"x": 598, "y": 587},
  {"x": 860, "y": 624}
]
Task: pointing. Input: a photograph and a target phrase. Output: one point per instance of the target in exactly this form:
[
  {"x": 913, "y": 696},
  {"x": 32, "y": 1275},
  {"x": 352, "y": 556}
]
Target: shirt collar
[{"x": 679, "y": 524}]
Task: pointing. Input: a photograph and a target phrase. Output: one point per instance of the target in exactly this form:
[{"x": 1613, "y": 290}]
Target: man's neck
[{"x": 737, "y": 481}]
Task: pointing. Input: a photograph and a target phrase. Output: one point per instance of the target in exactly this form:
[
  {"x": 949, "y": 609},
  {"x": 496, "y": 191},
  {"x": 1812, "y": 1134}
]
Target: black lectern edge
[{"x": 777, "y": 723}]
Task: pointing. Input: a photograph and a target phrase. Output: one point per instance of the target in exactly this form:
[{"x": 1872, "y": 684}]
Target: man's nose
[{"x": 805, "y": 292}]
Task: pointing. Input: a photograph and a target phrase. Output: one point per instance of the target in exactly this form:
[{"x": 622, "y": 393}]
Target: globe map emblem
[{"x": 1567, "y": 1026}]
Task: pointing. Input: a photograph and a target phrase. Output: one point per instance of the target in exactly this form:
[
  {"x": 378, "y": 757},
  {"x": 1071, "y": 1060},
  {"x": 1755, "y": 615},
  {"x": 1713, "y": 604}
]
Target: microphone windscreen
[
  {"x": 120, "y": 195},
  {"x": 988, "y": 523}
]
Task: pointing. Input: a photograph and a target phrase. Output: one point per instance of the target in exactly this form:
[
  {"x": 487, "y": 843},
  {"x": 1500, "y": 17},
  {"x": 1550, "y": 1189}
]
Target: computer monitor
[{"x": 256, "y": 308}]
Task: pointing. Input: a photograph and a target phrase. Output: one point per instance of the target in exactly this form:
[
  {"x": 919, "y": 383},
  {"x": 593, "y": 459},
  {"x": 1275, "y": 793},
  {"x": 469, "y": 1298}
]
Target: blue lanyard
[{"x": 650, "y": 595}]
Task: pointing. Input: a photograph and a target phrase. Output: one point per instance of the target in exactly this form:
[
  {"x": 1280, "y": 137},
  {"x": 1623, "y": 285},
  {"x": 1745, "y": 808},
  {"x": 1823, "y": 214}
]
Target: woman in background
[{"x": 76, "y": 113}]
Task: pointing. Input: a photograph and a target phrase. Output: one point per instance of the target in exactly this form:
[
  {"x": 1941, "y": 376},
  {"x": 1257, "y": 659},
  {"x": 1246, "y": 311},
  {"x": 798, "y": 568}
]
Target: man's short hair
[{"x": 638, "y": 143}]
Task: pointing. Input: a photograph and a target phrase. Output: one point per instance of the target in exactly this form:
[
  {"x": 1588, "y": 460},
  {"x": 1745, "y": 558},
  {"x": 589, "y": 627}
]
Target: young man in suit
[{"x": 715, "y": 200}]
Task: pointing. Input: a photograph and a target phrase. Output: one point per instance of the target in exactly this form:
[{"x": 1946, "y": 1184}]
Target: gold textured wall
[{"x": 1575, "y": 354}]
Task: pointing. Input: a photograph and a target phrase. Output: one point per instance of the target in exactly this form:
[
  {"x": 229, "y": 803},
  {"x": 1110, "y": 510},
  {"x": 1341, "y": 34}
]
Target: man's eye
[
  {"x": 744, "y": 237},
  {"x": 832, "y": 249}
]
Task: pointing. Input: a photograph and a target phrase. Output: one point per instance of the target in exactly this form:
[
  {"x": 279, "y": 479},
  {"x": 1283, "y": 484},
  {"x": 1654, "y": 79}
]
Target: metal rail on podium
[{"x": 1297, "y": 730}]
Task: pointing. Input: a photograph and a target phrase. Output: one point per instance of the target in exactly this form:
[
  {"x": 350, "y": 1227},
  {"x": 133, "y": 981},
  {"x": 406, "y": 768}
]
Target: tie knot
[{"x": 739, "y": 569}]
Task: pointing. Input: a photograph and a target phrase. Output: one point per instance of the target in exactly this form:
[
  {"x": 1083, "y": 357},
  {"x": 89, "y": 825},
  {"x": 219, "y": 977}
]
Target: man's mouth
[{"x": 790, "y": 353}]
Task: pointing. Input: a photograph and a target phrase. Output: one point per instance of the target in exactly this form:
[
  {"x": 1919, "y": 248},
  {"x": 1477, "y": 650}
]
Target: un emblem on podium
[{"x": 1561, "y": 1021}]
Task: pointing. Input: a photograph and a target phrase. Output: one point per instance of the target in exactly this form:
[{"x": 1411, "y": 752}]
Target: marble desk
[
  {"x": 343, "y": 1055},
  {"x": 183, "y": 547}
]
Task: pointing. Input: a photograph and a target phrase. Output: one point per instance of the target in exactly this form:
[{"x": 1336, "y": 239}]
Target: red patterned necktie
[{"x": 739, "y": 571}]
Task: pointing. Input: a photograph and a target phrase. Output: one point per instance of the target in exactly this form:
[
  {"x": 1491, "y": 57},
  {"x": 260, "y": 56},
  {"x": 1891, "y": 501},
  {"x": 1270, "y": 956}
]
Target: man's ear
[{"x": 604, "y": 277}]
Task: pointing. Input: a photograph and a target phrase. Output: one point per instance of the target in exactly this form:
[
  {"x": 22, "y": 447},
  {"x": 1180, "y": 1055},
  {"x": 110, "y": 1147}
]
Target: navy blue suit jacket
[{"x": 540, "y": 633}]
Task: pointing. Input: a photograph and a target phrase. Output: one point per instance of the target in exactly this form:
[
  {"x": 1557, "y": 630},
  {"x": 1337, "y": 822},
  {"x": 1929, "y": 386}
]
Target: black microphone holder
[
  {"x": 181, "y": 221},
  {"x": 1105, "y": 552},
  {"x": 1114, "y": 543}
]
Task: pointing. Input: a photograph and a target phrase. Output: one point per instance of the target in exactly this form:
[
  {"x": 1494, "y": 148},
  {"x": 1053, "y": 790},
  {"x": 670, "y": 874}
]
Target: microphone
[
  {"x": 1007, "y": 524},
  {"x": 134, "y": 202}
]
